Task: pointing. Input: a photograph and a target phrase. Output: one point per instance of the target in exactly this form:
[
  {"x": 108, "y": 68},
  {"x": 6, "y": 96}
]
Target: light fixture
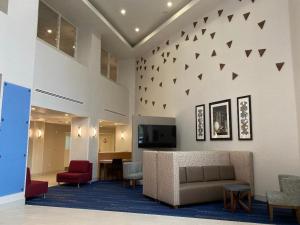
[
  {"x": 30, "y": 133},
  {"x": 73, "y": 46},
  {"x": 169, "y": 4},
  {"x": 33, "y": 108},
  {"x": 122, "y": 135},
  {"x": 123, "y": 12},
  {"x": 49, "y": 31},
  {"x": 66, "y": 114},
  {"x": 79, "y": 132},
  {"x": 94, "y": 132},
  {"x": 137, "y": 29},
  {"x": 39, "y": 133}
]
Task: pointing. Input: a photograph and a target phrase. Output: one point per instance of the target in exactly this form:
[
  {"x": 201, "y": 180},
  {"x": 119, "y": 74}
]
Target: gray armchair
[
  {"x": 132, "y": 171},
  {"x": 288, "y": 196}
]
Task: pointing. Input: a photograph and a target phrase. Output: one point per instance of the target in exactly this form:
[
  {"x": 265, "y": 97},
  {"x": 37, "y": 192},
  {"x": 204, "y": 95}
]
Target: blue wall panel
[{"x": 13, "y": 138}]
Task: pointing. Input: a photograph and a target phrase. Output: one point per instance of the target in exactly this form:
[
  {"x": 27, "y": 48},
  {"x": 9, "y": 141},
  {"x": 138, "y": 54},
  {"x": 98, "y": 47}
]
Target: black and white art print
[
  {"x": 200, "y": 122},
  {"x": 244, "y": 118},
  {"x": 220, "y": 120}
]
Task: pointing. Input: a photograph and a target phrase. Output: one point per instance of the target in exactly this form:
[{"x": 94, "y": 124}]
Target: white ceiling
[
  {"x": 117, "y": 34},
  {"x": 145, "y": 14},
  {"x": 50, "y": 116}
]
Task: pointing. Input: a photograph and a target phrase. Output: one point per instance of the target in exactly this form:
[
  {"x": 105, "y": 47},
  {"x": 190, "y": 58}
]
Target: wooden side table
[{"x": 237, "y": 193}]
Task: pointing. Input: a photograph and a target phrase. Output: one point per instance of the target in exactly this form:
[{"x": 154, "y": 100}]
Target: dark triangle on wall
[
  {"x": 167, "y": 42},
  {"x": 153, "y": 67},
  {"x": 160, "y": 84},
  {"x": 157, "y": 69},
  {"x": 164, "y": 105},
  {"x": 163, "y": 54},
  {"x": 200, "y": 76},
  {"x": 212, "y": 35},
  {"x": 153, "y": 51},
  {"x": 165, "y": 60},
  {"x": 146, "y": 101},
  {"x": 158, "y": 48},
  {"x": 214, "y": 53},
  {"x": 279, "y": 66},
  {"x": 153, "y": 103},
  {"x": 145, "y": 61},
  {"x": 246, "y": 15},
  {"x": 177, "y": 46},
  {"x": 195, "y": 24},
  {"x": 229, "y": 44},
  {"x": 205, "y": 19},
  {"x": 141, "y": 99},
  {"x": 220, "y": 12},
  {"x": 145, "y": 89},
  {"x": 187, "y": 37},
  {"x": 203, "y": 31},
  {"x": 186, "y": 67},
  {"x": 222, "y": 65},
  {"x": 152, "y": 79},
  {"x": 195, "y": 38},
  {"x": 197, "y": 55},
  {"x": 182, "y": 33},
  {"x": 262, "y": 24},
  {"x": 174, "y": 80},
  {"x": 174, "y": 60},
  {"x": 261, "y": 52},
  {"x": 234, "y": 76},
  {"x": 140, "y": 87},
  {"x": 230, "y": 18},
  {"x": 168, "y": 54},
  {"x": 248, "y": 52},
  {"x": 141, "y": 76},
  {"x": 187, "y": 91},
  {"x": 145, "y": 67}
]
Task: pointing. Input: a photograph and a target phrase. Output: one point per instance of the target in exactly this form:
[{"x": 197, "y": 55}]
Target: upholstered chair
[
  {"x": 132, "y": 172},
  {"x": 288, "y": 197}
]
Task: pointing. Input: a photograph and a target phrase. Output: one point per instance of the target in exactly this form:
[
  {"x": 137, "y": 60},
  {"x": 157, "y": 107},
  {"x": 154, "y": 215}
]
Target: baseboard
[
  {"x": 16, "y": 199},
  {"x": 260, "y": 198}
]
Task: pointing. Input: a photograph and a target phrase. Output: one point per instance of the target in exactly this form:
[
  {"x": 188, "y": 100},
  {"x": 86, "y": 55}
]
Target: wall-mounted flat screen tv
[{"x": 156, "y": 136}]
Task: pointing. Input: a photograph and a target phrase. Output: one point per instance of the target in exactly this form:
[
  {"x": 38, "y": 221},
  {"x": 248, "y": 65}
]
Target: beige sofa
[{"x": 161, "y": 177}]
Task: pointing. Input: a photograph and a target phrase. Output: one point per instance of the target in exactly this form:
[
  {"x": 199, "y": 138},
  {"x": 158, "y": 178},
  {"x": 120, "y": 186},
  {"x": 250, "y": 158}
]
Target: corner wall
[{"x": 201, "y": 80}]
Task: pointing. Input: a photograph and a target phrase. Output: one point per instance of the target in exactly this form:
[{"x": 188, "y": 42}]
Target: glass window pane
[
  {"x": 47, "y": 24},
  {"x": 104, "y": 62},
  {"x": 67, "y": 39},
  {"x": 113, "y": 68}
]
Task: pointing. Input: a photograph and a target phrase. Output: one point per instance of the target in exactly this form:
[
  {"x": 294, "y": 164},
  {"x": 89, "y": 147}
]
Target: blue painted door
[{"x": 13, "y": 138}]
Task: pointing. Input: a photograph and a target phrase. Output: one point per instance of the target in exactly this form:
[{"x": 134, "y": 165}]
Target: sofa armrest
[
  {"x": 150, "y": 174},
  {"x": 168, "y": 178}
]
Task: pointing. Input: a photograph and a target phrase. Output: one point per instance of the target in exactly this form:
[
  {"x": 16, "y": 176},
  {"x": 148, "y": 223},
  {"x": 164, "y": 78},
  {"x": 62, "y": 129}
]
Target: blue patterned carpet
[{"x": 112, "y": 196}]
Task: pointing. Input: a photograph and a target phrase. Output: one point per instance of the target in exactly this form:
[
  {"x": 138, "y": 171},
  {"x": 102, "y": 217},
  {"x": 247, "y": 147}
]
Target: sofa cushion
[
  {"x": 226, "y": 173},
  {"x": 79, "y": 166},
  {"x": 194, "y": 174},
  {"x": 182, "y": 175},
  {"x": 211, "y": 173}
]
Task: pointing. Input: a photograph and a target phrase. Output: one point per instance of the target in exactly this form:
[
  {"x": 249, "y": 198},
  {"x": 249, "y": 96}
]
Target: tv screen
[{"x": 156, "y": 136}]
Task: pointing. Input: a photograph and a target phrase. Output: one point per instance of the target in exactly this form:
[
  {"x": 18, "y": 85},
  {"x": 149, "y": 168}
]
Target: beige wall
[
  {"x": 123, "y": 139},
  {"x": 275, "y": 130}
]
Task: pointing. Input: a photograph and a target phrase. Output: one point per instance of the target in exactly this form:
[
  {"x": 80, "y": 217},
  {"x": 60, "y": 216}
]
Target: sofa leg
[
  {"x": 270, "y": 213},
  {"x": 44, "y": 196},
  {"x": 78, "y": 185},
  {"x": 175, "y": 206}
]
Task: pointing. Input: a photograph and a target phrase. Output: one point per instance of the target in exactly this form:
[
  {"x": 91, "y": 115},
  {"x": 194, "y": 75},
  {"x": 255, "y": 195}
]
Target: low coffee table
[{"x": 237, "y": 193}]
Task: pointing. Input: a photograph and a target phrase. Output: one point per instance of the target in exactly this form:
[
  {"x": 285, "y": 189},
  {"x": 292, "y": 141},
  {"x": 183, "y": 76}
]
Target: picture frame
[
  {"x": 220, "y": 120},
  {"x": 244, "y": 116},
  {"x": 200, "y": 123}
]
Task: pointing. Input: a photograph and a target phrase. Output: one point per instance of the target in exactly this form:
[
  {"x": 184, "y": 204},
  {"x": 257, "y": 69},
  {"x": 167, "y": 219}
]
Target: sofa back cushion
[
  {"x": 211, "y": 173},
  {"x": 227, "y": 173},
  {"x": 194, "y": 174},
  {"x": 182, "y": 175},
  {"x": 79, "y": 166}
]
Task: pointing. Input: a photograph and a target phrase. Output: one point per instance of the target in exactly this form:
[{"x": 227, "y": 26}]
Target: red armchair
[
  {"x": 80, "y": 171},
  {"x": 35, "y": 188}
]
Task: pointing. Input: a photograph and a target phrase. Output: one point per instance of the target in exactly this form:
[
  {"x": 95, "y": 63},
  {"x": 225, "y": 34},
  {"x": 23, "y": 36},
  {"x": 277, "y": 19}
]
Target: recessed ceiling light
[
  {"x": 137, "y": 29},
  {"x": 33, "y": 108},
  {"x": 169, "y": 4},
  {"x": 123, "y": 12},
  {"x": 49, "y": 31},
  {"x": 66, "y": 114}
]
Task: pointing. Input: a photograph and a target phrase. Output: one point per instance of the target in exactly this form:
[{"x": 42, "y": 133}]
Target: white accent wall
[{"x": 275, "y": 130}]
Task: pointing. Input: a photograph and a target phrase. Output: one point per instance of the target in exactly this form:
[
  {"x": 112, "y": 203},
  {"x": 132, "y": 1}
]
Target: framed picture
[
  {"x": 244, "y": 118},
  {"x": 220, "y": 120},
  {"x": 200, "y": 122}
]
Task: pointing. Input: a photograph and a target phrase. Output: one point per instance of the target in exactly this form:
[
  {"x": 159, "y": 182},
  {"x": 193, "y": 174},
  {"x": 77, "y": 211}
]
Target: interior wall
[
  {"x": 123, "y": 139},
  {"x": 107, "y": 139},
  {"x": 54, "y": 147},
  {"x": 201, "y": 80}
]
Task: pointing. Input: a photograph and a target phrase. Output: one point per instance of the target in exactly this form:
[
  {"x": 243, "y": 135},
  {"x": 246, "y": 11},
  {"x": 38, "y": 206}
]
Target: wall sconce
[
  {"x": 30, "y": 133},
  {"x": 79, "y": 132},
  {"x": 122, "y": 136},
  {"x": 39, "y": 133},
  {"x": 94, "y": 132}
]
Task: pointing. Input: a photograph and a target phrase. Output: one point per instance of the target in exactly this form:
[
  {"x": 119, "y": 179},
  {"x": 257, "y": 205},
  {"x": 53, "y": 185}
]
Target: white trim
[{"x": 18, "y": 198}]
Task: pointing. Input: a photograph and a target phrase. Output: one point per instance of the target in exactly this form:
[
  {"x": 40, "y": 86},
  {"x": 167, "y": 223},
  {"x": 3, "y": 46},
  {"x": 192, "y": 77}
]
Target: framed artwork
[
  {"x": 220, "y": 120},
  {"x": 244, "y": 118},
  {"x": 200, "y": 122}
]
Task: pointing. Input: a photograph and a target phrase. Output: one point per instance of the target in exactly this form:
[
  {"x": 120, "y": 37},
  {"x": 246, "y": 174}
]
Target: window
[
  {"x": 55, "y": 30},
  {"x": 47, "y": 25},
  {"x": 109, "y": 66},
  {"x": 67, "y": 39}
]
